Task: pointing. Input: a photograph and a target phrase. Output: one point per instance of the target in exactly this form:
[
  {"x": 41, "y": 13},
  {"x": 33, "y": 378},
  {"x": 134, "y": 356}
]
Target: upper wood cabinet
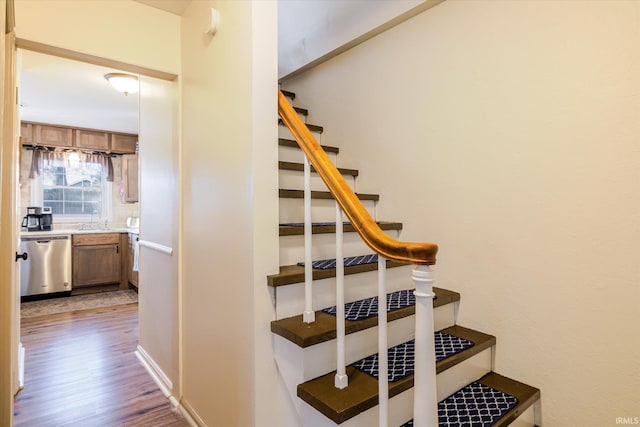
[
  {"x": 123, "y": 143},
  {"x": 55, "y": 136},
  {"x": 82, "y": 139},
  {"x": 130, "y": 178},
  {"x": 26, "y": 132},
  {"x": 91, "y": 140}
]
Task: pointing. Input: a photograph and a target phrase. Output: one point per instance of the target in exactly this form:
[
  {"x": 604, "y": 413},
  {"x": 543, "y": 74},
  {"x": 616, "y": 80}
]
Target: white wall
[
  {"x": 121, "y": 30},
  {"x": 508, "y": 133},
  {"x": 229, "y": 234},
  {"x": 158, "y": 278},
  {"x": 308, "y": 30}
]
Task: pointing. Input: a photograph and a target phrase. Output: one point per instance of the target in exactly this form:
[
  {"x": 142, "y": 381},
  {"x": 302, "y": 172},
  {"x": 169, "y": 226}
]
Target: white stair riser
[
  {"x": 527, "y": 418},
  {"x": 316, "y": 360},
  {"x": 457, "y": 377},
  {"x": 289, "y": 299},
  {"x": 294, "y": 180},
  {"x": 401, "y": 406},
  {"x": 284, "y": 132},
  {"x": 292, "y": 154},
  {"x": 322, "y": 210},
  {"x": 324, "y": 247}
]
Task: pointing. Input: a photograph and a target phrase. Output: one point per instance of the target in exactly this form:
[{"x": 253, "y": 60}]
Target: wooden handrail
[{"x": 373, "y": 236}]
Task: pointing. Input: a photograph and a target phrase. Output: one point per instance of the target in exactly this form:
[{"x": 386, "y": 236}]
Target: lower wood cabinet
[
  {"x": 132, "y": 276},
  {"x": 97, "y": 259}
]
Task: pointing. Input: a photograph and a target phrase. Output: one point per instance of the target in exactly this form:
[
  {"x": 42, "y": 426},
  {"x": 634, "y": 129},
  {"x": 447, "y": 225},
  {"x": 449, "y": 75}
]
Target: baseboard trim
[
  {"x": 166, "y": 386},
  {"x": 157, "y": 374},
  {"x": 21, "y": 356},
  {"x": 190, "y": 415}
]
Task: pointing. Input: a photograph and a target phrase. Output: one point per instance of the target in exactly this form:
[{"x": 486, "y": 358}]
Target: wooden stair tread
[
  {"x": 299, "y": 194},
  {"x": 291, "y": 230},
  {"x": 312, "y": 128},
  {"x": 525, "y": 394},
  {"x": 284, "y": 142},
  {"x": 290, "y": 274},
  {"x": 291, "y": 166},
  {"x": 302, "y": 111},
  {"x": 362, "y": 392},
  {"x": 324, "y": 328},
  {"x": 288, "y": 94}
]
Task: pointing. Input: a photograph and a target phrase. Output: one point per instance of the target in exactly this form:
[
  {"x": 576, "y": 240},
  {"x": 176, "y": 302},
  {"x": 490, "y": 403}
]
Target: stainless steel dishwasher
[{"x": 47, "y": 268}]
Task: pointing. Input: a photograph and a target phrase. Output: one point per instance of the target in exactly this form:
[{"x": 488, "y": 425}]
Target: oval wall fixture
[{"x": 213, "y": 23}]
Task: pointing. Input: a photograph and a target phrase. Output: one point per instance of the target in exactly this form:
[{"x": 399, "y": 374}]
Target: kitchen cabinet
[
  {"x": 26, "y": 132},
  {"x": 130, "y": 178},
  {"x": 132, "y": 275},
  {"x": 96, "y": 259},
  {"x": 91, "y": 140},
  {"x": 123, "y": 143},
  {"x": 83, "y": 139},
  {"x": 54, "y": 136}
]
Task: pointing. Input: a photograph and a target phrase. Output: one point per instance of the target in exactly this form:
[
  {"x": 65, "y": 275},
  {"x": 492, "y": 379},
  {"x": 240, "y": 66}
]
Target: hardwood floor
[{"x": 81, "y": 370}]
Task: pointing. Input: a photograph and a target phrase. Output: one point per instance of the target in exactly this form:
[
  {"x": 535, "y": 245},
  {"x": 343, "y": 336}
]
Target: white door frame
[{"x": 9, "y": 226}]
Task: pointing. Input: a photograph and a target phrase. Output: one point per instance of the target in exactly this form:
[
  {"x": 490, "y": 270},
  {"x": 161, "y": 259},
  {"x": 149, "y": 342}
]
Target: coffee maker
[{"x": 38, "y": 219}]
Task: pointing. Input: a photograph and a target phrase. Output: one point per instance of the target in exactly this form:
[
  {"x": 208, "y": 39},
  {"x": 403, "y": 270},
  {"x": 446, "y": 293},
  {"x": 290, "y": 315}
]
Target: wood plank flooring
[{"x": 81, "y": 370}]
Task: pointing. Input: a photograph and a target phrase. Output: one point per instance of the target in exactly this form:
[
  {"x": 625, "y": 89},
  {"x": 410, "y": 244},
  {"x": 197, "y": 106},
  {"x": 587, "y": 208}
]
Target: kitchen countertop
[{"x": 60, "y": 232}]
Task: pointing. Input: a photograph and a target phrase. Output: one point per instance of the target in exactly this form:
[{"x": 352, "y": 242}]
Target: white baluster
[
  {"x": 425, "y": 404},
  {"x": 309, "y": 316},
  {"x": 383, "y": 362},
  {"x": 341, "y": 379}
]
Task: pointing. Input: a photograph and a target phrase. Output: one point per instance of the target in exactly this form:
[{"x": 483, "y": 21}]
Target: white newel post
[
  {"x": 309, "y": 316},
  {"x": 425, "y": 403}
]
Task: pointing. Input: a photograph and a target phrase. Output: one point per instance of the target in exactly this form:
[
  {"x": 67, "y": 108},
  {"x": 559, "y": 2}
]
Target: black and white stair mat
[
  {"x": 401, "y": 357},
  {"x": 363, "y": 309},
  {"x": 327, "y": 264},
  {"x": 476, "y": 405}
]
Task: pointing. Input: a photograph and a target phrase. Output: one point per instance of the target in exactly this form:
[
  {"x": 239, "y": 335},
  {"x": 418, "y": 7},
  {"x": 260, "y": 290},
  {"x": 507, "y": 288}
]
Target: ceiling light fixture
[{"x": 125, "y": 83}]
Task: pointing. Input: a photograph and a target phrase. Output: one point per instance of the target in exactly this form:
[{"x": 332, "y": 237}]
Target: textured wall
[{"x": 508, "y": 133}]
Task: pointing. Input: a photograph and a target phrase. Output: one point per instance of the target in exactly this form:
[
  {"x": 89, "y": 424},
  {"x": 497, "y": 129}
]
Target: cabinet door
[
  {"x": 123, "y": 144},
  {"x": 92, "y": 140},
  {"x": 55, "y": 136},
  {"x": 96, "y": 265},
  {"x": 130, "y": 177}
]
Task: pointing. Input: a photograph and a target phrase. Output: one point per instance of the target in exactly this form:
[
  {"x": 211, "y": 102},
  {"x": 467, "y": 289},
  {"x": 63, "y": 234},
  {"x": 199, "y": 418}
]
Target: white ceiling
[{"x": 66, "y": 92}]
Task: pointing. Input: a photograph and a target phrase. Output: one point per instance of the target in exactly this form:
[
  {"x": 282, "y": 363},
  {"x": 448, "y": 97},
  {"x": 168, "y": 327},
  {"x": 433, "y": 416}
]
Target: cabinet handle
[{"x": 117, "y": 249}]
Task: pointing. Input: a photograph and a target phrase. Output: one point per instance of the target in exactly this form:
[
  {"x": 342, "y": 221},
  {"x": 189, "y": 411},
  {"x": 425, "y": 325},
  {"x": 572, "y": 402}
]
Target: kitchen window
[{"x": 74, "y": 185}]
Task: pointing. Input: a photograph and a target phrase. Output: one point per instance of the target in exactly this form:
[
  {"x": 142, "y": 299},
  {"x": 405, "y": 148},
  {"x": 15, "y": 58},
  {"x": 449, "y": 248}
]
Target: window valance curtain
[{"x": 44, "y": 156}]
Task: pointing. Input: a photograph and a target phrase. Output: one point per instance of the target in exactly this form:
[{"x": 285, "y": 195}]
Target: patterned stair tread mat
[
  {"x": 401, "y": 356},
  {"x": 327, "y": 264},
  {"x": 366, "y": 308},
  {"x": 476, "y": 405}
]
